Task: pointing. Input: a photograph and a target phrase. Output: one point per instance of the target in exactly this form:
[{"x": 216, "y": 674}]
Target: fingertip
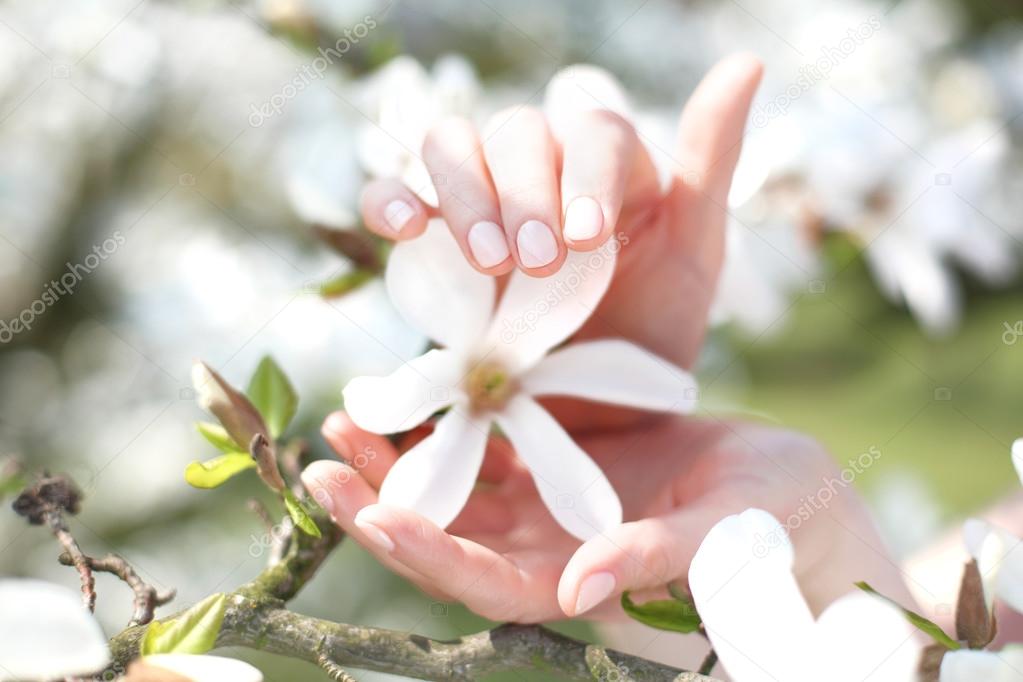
[
  {"x": 743, "y": 63},
  {"x": 317, "y": 478},
  {"x": 392, "y": 211},
  {"x": 334, "y": 429},
  {"x": 581, "y": 591}
]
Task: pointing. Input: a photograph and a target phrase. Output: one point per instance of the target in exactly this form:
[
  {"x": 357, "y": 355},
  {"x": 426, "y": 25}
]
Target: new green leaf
[
  {"x": 218, "y": 436},
  {"x": 675, "y": 615},
  {"x": 918, "y": 621},
  {"x": 299, "y": 515},
  {"x": 193, "y": 632},
  {"x": 272, "y": 394},
  {"x": 214, "y": 472}
]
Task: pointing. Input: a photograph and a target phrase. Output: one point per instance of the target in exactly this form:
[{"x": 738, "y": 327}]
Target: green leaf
[
  {"x": 214, "y": 472},
  {"x": 344, "y": 284},
  {"x": 218, "y": 436},
  {"x": 193, "y": 632},
  {"x": 918, "y": 621},
  {"x": 272, "y": 394},
  {"x": 664, "y": 614},
  {"x": 299, "y": 515}
]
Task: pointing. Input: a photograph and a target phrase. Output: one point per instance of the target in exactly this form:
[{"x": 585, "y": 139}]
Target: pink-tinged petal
[
  {"x": 205, "y": 668},
  {"x": 990, "y": 666},
  {"x": 1017, "y": 457},
  {"x": 861, "y": 637},
  {"x": 46, "y": 633},
  {"x": 742, "y": 584},
  {"x": 436, "y": 477},
  {"x": 614, "y": 371},
  {"x": 999, "y": 556},
  {"x": 537, "y": 313},
  {"x": 408, "y": 396},
  {"x": 437, "y": 291},
  {"x": 571, "y": 484}
]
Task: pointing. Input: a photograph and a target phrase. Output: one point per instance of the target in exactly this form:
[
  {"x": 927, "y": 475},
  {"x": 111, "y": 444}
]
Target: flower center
[{"x": 489, "y": 386}]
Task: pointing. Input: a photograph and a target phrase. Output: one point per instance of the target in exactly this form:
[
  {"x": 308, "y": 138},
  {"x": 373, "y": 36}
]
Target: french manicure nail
[
  {"x": 375, "y": 534},
  {"x": 537, "y": 245},
  {"x": 584, "y": 219},
  {"x": 487, "y": 243},
  {"x": 398, "y": 213},
  {"x": 593, "y": 590}
]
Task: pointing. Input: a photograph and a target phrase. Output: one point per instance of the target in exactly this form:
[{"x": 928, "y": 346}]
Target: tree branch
[
  {"x": 147, "y": 597},
  {"x": 257, "y": 618}
]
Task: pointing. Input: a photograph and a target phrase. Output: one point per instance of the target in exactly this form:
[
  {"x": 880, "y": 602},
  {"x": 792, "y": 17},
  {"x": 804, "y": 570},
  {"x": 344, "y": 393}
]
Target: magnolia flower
[
  {"x": 762, "y": 628},
  {"x": 404, "y": 101},
  {"x": 195, "y": 668},
  {"x": 492, "y": 365},
  {"x": 46, "y": 633}
]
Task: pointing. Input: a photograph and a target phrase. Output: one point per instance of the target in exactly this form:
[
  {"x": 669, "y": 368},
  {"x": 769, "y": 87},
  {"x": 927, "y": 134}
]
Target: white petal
[
  {"x": 990, "y": 666},
  {"x": 579, "y": 88},
  {"x": 46, "y": 633},
  {"x": 538, "y": 313},
  {"x": 206, "y": 668},
  {"x": 861, "y": 637},
  {"x": 437, "y": 291},
  {"x": 1017, "y": 457},
  {"x": 614, "y": 371},
  {"x": 572, "y": 486},
  {"x": 437, "y": 475},
  {"x": 408, "y": 396},
  {"x": 999, "y": 556},
  {"x": 745, "y": 560}
]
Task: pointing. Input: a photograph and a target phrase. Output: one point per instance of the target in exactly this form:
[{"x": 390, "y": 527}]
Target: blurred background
[{"x": 171, "y": 175}]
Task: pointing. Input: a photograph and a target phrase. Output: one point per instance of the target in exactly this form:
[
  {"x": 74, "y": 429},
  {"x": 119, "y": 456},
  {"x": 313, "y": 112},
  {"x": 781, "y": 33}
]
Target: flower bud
[{"x": 233, "y": 410}]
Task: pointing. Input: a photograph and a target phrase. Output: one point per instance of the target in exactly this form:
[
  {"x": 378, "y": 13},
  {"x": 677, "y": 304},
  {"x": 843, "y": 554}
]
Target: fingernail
[
  {"x": 375, "y": 534},
  {"x": 583, "y": 219},
  {"x": 488, "y": 244},
  {"x": 537, "y": 245},
  {"x": 595, "y": 589},
  {"x": 398, "y": 213}
]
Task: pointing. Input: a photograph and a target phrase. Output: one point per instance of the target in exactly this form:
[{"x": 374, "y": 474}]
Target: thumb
[
  {"x": 712, "y": 125},
  {"x": 638, "y": 555}
]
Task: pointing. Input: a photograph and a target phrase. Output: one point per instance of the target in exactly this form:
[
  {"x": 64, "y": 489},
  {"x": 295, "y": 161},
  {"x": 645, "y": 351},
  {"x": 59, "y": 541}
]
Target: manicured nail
[
  {"x": 487, "y": 243},
  {"x": 595, "y": 589},
  {"x": 375, "y": 534},
  {"x": 583, "y": 219},
  {"x": 398, "y": 213},
  {"x": 537, "y": 245}
]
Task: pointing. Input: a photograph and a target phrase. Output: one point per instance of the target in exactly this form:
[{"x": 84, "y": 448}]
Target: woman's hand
[
  {"x": 517, "y": 195},
  {"x": 507, "y": 559}
]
